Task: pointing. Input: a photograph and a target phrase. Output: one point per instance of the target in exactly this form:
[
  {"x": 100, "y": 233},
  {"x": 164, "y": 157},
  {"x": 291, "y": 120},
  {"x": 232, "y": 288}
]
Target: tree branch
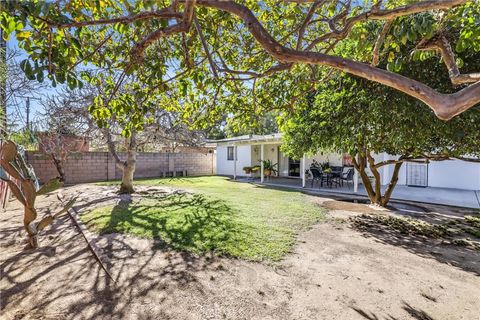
[
  {"x": 440, "y": 43},
  {"x": 182, "y": 26},
  {"x": 400, "y": 160},
  {"x": 377, "y": 14},
  {"x": 205, "y": 46},
  {"x": 425, "y": 157},
  {"x": 255, "y": 75},
  {"x": 305, "y": 23},
  {"x": 445, "y": 106},
  {"x": 111, "y": 148},
  {"x": 379, "y": 42},
  {"x": 165, "y": 13},
  {"x": 95, "y": 50}
]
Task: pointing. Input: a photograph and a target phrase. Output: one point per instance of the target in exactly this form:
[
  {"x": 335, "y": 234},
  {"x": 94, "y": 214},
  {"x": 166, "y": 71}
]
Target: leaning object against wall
[
  {"x": 4, "y": 190},
  {"x": 5, "y": 193}
]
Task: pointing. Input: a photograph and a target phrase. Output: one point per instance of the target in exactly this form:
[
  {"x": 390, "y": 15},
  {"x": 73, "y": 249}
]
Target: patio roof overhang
[
  {"x": 275, "y": 138},
  {"x": 262, "y": 140}
]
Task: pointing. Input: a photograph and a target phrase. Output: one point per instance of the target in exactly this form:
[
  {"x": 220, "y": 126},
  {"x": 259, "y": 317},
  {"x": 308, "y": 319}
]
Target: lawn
[{"x": 213, "y": 214}]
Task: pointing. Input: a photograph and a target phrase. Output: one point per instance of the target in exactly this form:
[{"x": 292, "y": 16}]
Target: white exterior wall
[
  {"x": 334, "y": 159},
  {"x": 283, "y": 165},
  {"x": 225, "y": 167},
  {"x": 455, "y": 174},
  {"x": 270, "y": 152}
]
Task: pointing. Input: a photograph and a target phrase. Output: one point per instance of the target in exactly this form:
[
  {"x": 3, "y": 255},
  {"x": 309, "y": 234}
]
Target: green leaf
[
  {"x": 460, "y": 47},
  {"x": 60, "y": 77},
  {"x": 391, "y": 66},
  {"x": 40, "y": 76},
  {"x": 459, "y": 62}
]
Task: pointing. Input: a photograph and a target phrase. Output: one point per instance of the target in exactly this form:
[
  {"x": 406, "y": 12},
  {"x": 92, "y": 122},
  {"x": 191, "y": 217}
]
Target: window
[{"x": 230, "y": 153}]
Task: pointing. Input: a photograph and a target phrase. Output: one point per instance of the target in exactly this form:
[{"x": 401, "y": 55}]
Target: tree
[
  {"x": 348, "y": 114},
  {"x": 135, "y": 115},
  {"x": 69, "y": 126},
  {"x": 247, "y": 122},
  {"x": 169, "y": 130},
  {"x": 259, "y": 38}
]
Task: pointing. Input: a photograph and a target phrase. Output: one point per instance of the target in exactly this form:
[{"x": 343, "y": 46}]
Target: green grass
[
  {"x": 213, "y": 214},
  {"x": 404, "y": 225},
  {"x": 474, "y": 225}
]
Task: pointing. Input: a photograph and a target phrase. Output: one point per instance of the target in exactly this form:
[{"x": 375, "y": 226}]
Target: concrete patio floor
[{"x": 453, "y": 197}]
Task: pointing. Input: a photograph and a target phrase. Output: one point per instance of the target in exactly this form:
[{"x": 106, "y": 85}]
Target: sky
[{"x": 16, "y": 107}]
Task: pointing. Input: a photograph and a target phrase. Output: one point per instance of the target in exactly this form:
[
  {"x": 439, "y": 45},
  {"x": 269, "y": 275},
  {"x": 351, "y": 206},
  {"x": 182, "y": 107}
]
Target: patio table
[{"x": 330, "y": 178}]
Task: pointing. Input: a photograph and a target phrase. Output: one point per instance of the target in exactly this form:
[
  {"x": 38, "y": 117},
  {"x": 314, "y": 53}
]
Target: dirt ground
[{"x": 334, "y": 272}]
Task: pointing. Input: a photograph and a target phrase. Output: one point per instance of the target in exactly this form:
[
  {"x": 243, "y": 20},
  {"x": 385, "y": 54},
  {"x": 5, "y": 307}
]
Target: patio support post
[
  {"x": 303, "y": 171},
  {"x": 235, "y": 162},
  {"x": 355, "y": 180},
  {"x": 261, "y": 162}
]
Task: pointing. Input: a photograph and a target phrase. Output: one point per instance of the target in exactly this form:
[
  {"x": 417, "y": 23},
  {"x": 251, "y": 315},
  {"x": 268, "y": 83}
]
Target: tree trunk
[
  {"x": 375, "y": 194},
  {"x": 129, "y": 166},
  {"x": 360, "y": 165},
  {"x": 127, "y": 174},
  {"x": 59, "y": 166},
  {"x": 391, "y": 185},
  {"x": 378, "y": 182}
]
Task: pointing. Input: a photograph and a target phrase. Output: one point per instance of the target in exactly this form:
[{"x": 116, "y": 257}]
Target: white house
[{"x": 245, "y": 151}]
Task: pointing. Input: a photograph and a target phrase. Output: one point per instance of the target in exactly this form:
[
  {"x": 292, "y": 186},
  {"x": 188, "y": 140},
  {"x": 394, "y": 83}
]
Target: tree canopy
[
  {"x": 202, "y": 45},
  {"x": 350, "y": 115}
]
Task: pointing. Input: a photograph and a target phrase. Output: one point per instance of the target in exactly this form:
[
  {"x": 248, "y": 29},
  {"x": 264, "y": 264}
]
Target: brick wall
[{"x": 100, "y": 166}]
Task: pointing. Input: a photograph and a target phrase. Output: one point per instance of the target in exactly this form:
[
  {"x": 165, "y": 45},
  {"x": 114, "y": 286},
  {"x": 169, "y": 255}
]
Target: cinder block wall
[{"x": 100, "y": 166}]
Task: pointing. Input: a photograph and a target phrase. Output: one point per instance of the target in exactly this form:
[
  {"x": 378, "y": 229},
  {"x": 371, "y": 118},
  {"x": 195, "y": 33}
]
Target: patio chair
[
  {"x": 347, "y": 176},
  {"x": 317, "y": 175},
  {"x": 337, "y": 170},
  {"x": 337, "y": 175}
]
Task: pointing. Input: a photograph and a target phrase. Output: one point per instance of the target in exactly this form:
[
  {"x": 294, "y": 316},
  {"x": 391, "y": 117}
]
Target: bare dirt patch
[
  {"x": 335, "y": 272},
  {"x": 348, "y": 206}
]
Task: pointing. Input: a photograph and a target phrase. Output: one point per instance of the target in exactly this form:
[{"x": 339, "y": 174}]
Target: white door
[{"x": 417, "y": 174}]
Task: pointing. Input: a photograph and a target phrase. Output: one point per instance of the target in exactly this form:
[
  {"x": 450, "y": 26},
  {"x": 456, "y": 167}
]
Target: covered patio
[
  {"x": 253, "y": 150},
  {"x": 444, "y": 196},
  {"x": 454, "y": 183}
]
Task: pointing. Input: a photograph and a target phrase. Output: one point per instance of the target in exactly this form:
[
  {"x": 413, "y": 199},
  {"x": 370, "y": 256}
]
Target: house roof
[{"x": 251, "y": 138}]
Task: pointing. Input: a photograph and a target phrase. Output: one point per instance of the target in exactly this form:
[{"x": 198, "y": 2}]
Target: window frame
[{"x": 232, "y": 153}]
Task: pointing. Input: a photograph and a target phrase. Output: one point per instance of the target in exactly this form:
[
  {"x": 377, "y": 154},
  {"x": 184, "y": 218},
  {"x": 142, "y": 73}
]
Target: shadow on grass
[
  {"x": 277, "y": 188},
  {"x": 179, "y": 220}
]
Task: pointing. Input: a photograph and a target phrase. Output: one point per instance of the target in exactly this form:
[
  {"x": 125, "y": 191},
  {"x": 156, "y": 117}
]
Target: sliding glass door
[{"x": 293, "y": 168}]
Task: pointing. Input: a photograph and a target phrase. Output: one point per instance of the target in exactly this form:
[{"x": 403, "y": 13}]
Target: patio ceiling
[{"x": 275, "y": 138}]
